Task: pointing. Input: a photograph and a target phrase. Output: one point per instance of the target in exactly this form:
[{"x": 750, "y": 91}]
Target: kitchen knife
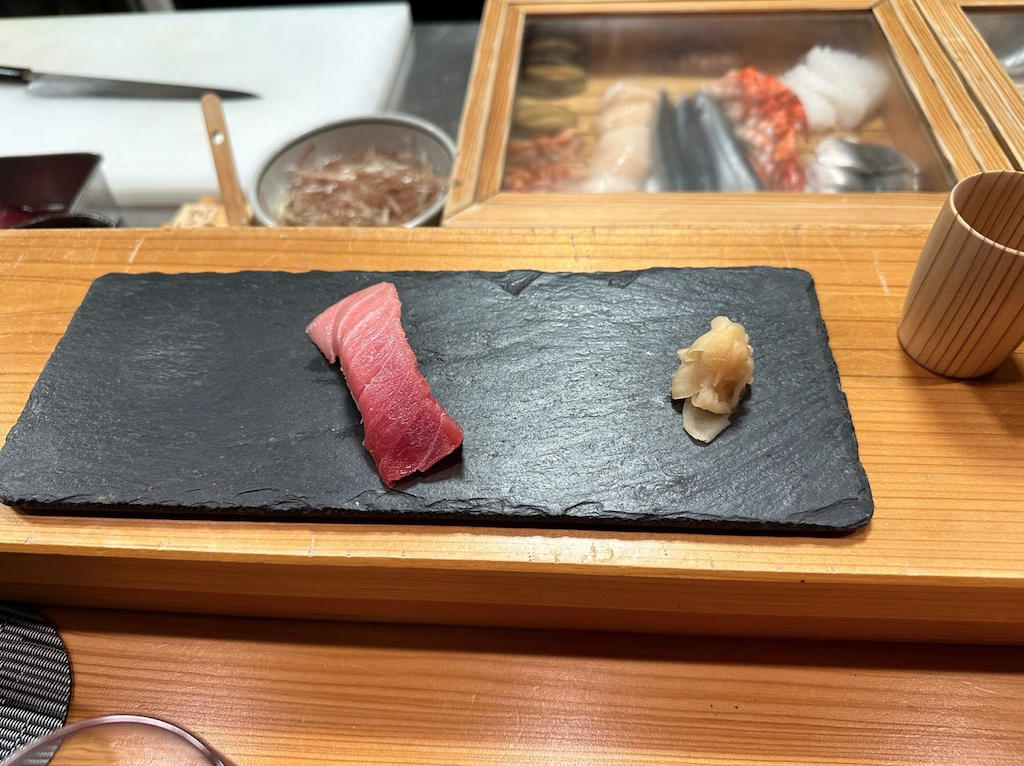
[{"x": 43, "y": 84}]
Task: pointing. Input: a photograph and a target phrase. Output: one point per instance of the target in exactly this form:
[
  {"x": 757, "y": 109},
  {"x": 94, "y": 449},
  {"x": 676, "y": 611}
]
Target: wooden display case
[
  {"x": 927, "y": 113},
  {"x": 980, "y": 39}
]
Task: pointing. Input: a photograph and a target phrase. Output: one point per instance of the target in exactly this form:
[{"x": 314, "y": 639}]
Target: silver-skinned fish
[
  {"x": 732, "y": 167},
  {"x": 698, "y": 164},
  {"x": 844, "y": 164}
]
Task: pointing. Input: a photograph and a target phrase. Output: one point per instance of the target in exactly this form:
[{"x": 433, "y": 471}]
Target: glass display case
[
  {"x": 984, "y": 41},
  {"x": 1002, "y": 29},
  {"x": 671, "y": 116},
  {"x": 643, "y": 103}
]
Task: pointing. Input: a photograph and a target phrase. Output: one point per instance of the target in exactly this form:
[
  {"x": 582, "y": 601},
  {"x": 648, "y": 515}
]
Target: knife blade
[{"x": 45, "y": 84}]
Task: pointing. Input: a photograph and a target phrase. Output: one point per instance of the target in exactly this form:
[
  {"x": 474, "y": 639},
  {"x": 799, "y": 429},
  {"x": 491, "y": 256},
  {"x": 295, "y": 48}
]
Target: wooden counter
[
  {"x": 942, "y": 560},
  {"x": 285, "y": 693}
]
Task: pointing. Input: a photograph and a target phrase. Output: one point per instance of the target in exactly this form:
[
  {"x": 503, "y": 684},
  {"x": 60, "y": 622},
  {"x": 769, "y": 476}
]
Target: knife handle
[{"x": 14, "y": 74}]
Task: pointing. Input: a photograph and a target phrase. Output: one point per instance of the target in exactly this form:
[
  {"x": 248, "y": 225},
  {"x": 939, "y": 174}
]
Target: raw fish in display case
[{"x": 700, "y": 103}]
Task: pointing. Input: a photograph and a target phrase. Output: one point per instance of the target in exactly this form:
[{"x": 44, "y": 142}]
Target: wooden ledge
[{"x": 943, "y": 558}]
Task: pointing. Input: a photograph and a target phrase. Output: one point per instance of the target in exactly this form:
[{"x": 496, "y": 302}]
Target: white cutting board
[{"x": 311, "y": 65}]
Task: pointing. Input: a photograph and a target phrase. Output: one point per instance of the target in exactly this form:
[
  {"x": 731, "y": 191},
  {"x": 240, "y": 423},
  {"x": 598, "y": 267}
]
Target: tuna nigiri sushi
[{"x": 405, "y": 428}]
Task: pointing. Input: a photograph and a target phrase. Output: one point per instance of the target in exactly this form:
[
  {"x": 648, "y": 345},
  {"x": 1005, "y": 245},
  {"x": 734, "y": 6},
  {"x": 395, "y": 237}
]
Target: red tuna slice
[{"x": 405, "y": 428}]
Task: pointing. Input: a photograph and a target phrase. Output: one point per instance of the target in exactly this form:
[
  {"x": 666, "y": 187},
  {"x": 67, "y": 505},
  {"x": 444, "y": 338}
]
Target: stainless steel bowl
[{"x": 386, "y": 132}]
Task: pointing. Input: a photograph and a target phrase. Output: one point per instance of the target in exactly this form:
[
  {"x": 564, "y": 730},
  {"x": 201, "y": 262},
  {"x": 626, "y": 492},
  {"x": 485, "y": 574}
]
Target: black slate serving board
[{"x": 200, "y": 394}]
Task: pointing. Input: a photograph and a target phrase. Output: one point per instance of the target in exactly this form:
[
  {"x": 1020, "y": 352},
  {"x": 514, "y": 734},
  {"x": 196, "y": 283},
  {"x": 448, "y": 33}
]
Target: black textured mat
[
  {"x": 200, "y": 394},
  {"x": 35, "y": 679}
]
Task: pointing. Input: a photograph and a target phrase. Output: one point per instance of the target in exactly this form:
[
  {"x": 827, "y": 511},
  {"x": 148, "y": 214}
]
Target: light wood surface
[
  {"x": 235, "y": 206},
  {"x": 687, "y": 210},
  {"x": 958, "y": 128},
  {"x": 943, "y": 558},
  {"x": 964, "y": 312},
  {"x": 947, "y": 105},
  {"x": 984, "y": 76},
  {"x": 275, "y": 693}
]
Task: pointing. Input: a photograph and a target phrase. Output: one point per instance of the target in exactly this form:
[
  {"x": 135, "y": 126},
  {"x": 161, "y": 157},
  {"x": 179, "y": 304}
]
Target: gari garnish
[{"x": 711, "y": 377}]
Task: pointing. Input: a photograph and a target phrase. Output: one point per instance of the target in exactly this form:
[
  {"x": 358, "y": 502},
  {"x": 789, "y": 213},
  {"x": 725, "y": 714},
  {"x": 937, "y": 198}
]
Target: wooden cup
[{"x": 964, "y": 311}]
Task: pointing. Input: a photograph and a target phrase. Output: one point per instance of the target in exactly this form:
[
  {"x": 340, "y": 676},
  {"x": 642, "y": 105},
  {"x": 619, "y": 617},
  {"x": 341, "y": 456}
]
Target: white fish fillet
[
  {"x": 631, "y": 113},
  {"x": 869, "y": 75},
  {"x": 626, "y": 92},
  {"x": 853, "y": 86},
  {"x": 821, "y": 114},
  {"x": 846, "y": 99},
  {"x": 625, "y": 153},
  {"x": 849, "y": 72},
  {"x": 622, "y": 157},
  {"x": 610, "y": 183}
]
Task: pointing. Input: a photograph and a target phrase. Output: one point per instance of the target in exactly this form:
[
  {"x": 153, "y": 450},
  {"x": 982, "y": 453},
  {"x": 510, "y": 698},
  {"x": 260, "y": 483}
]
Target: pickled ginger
[{"x": 713, "y": 372}]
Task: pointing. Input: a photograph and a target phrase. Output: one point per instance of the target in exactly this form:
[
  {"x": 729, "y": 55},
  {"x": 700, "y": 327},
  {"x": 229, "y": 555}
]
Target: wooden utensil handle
[{"x": 235, "y": 206}]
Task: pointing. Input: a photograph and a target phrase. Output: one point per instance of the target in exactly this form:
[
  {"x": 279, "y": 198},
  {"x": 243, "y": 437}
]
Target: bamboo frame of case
[
  {"x": 988, "y": 82},
  {"x": 476, "y": 198}
]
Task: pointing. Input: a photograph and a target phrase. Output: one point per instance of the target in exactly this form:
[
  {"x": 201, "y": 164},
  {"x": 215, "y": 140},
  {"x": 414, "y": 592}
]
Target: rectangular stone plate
[{"x": 200, "y": 395}]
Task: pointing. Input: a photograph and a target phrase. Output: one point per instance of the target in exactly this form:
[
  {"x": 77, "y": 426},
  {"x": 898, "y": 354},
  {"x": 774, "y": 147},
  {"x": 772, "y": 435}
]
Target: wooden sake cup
[{"x": 964, "y": 310}]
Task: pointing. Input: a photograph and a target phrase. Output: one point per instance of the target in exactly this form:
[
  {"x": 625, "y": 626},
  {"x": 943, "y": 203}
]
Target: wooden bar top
[
  {"x": 285, "y": 693},
  {"x": 943, "y": 558}
]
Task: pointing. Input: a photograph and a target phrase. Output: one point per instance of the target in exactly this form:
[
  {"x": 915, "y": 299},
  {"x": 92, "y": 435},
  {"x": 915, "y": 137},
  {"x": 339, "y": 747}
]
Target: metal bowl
[{"x": 385, "y": 132}]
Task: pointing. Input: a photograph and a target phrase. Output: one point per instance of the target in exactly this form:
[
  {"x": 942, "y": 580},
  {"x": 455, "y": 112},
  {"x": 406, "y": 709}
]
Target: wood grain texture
[
  {"x": 502, "y": 96},
  {"x": 957, "y": 126},
  {"x": 989, "y": 84},
  {"x": 943, "y": 558},
  {"x": 276, "y": 693},
  {"x": 964, "y": 312},
  {"x": 671, "y": 7},
  {"x": 965, "y": 135},
  {"x": 235, "y": 206},
  {"x": 466, "y": 174},
  {"x": 737, "y": 211}
]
